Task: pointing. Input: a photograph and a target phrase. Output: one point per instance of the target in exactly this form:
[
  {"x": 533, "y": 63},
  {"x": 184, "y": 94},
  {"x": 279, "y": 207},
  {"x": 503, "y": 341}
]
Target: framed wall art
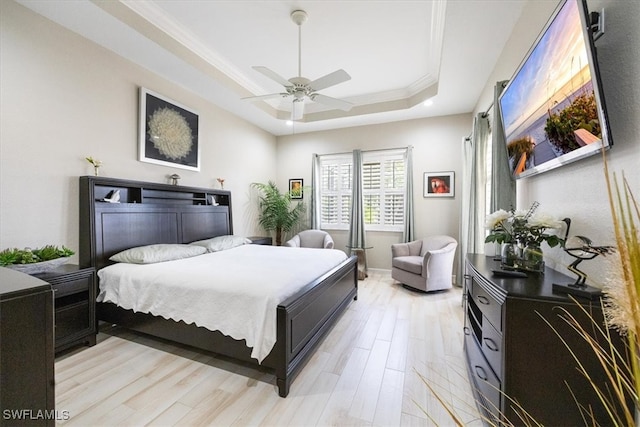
[
  {"x": 168, "y": 132},
  {"x": 439, "y": 184},
  {"x": 295, "y": 188}
]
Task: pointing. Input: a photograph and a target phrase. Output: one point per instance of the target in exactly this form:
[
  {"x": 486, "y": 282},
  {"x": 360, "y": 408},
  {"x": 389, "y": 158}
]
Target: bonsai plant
[{"x": 276, "y": 211}]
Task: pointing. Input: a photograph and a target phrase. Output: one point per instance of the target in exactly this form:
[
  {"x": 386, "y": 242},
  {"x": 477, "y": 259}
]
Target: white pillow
[
  {"x": 157, "y": 253},
  {"x": 221, "y": 243}
]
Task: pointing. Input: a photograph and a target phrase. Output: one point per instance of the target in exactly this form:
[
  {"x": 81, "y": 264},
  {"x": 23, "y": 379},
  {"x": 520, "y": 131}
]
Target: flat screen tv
[{"x": 552, "y": 109}]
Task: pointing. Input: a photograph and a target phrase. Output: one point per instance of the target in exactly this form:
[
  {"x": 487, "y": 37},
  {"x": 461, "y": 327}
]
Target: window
[
  {"x": 335, "y": 191},
  {"x": 383, "y": 188}
]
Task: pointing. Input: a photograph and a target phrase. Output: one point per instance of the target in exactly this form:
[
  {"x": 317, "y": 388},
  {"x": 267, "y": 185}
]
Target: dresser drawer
[
  {"x": 492, "y": 347},
  {"x": 486, "y": 383},
  {"x": 73, "y": 286},
  {"x": 490, "y": 307}
]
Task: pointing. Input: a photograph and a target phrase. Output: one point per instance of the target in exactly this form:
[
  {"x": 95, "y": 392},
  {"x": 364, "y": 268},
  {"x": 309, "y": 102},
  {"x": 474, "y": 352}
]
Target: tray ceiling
[{"x": 398, "y": 53}]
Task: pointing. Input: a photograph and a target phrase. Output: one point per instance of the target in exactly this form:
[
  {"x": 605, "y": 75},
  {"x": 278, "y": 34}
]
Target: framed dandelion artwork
[{"x": 168, "y": 132}]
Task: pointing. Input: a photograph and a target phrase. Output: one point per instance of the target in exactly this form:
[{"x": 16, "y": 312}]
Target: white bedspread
[{"x": 235, "y": 291}]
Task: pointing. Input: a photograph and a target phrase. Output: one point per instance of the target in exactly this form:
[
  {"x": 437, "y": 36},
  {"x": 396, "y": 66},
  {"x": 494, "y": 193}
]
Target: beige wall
[
  {"x": 437, "y": 146},
  {"x": 578, "y": 190},
  {"x": 64, "y": 98}
]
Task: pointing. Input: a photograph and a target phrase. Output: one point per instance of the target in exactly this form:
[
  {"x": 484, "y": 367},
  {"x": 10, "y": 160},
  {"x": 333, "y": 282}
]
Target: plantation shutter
[{"x": 383, "y": 190}]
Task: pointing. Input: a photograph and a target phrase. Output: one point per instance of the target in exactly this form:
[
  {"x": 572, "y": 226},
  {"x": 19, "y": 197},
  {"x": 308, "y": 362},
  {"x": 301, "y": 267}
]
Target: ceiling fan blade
[
  {"x": 267, "y": 96},
  {"x": 331, "y": 102},
  {"x": 297, "y": 109},
  {"x": 273, "y": 75},
  {"x": 330, "y": 79}
]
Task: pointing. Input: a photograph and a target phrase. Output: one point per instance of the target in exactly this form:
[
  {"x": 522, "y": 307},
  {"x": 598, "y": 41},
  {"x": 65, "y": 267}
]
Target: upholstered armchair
[
  {"x": 311, "y": 239},
  {"x": 426, "y": 264}
]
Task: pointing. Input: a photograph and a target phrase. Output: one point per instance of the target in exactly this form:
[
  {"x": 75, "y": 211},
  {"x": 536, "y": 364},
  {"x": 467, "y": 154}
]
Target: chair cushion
[
  {"x": 412, "y": 264},
  {"x": 406, "y": 249}
]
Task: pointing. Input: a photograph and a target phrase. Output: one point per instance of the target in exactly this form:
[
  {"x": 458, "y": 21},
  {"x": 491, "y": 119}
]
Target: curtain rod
[
  {"x": 486, "y": 113},
  {"x": 484, "y": 116}
]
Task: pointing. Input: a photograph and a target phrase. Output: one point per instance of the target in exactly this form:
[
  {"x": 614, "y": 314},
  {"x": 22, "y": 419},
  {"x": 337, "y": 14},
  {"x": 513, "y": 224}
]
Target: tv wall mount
[{"x": 597, "y": 24}]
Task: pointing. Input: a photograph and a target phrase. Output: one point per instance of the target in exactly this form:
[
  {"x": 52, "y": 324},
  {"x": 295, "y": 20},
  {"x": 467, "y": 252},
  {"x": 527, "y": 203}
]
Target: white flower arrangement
[{"x": 525, "y": 227}]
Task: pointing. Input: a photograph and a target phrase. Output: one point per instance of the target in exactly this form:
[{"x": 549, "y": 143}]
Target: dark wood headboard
[{"x": 148, "y": 213}]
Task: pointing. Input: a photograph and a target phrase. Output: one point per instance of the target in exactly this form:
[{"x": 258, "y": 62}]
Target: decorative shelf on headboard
[
  {"x": 146, "y": 213},
  {"x": 152, "y": 193}
]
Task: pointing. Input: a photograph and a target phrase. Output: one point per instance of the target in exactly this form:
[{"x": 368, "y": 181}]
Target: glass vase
[
  {"x": 509, "y": 255},
  {"x": 533, "y": 258}
]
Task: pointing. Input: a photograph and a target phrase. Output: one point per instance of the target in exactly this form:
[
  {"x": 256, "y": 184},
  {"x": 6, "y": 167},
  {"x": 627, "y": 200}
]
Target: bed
[{"x": 150, "y": 213}]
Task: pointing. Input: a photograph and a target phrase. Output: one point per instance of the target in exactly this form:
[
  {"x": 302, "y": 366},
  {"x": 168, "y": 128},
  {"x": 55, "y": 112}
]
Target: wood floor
[{"x": 367, "y": 371}]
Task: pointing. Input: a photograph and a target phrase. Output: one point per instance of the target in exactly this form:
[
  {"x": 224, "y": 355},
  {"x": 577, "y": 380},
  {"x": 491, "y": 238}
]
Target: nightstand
[
  {"x": 74, "y": 304},
  {"x": 258, "y": 240}
]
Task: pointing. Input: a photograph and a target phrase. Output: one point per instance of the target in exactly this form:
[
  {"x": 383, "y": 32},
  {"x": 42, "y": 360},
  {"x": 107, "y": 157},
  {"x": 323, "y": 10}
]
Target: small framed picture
[
  {"x": 168, "y": 132},
  {"x": 439, "y": 184},
  {"x": 295, "y": 188}
]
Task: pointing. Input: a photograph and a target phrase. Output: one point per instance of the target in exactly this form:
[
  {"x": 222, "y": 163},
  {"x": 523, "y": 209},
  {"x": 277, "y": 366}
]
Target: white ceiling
[{"x": 398, "y": 53}]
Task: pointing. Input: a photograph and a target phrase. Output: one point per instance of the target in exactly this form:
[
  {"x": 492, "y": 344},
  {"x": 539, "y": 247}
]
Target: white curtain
[
  {"x": 357, "y": 235},
  {"x": 503, "y": 185},
  {"x": 315, "y": 192},
  {"x": 408, "y": 234},
  {"x": 474, "y": 190}
]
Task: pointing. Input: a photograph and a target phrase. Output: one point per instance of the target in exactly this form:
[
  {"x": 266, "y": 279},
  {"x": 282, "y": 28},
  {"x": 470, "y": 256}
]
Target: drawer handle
[
  {"x": 466, "y": 330},
  {"x": 491, "y": 344},
  {"x": 483, "y": 300},
  {"x": 481, "y": 373}
]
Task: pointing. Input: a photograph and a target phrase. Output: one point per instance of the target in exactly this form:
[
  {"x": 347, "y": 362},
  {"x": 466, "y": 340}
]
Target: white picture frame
[
  {"x": 439, "y": 184},
  {"x": 168, "y": 132}
]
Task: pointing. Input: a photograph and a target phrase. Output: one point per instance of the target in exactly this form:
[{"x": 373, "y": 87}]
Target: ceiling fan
[{"x": 299, "y": 88}]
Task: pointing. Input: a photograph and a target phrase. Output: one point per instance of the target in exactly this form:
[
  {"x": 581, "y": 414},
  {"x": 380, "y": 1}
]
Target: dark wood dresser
[
  {"x": 75, "y": 305},
  {"x": 513, "y": 354},
  {"x": 26, "y": 350}
]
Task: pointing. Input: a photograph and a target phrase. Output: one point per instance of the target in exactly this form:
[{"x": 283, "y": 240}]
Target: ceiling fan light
[{"x": 297, "y": 109}]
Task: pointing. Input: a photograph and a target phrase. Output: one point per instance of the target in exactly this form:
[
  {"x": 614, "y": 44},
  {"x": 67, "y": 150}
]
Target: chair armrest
[
  {"x": 294, "y": 242},
  {"x": 328, "y": 242},
  {"x": 449, "y": 248},
  {"x": 439, "y": 261}
]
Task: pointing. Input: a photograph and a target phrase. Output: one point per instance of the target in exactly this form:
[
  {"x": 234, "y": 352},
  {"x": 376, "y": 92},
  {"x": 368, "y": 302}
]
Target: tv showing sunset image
[{"x": 551, "y": 110}]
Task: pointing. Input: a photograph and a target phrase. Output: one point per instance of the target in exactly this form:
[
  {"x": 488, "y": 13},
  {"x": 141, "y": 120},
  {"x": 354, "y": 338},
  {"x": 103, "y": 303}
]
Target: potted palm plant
[{"x": 277, "y": 213}]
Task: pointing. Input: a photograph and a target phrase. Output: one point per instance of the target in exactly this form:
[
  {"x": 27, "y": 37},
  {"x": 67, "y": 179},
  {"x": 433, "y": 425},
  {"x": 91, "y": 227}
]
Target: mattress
[{"x": 235, "y": 291}]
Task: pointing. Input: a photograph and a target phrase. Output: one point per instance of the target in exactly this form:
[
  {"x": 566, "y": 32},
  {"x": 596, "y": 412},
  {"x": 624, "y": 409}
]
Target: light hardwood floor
[{"x": 365, "y": 372}]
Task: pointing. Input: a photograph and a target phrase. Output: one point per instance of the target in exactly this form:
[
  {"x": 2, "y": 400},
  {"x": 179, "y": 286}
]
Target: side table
[
  {"x": 74, "y": 290},
  {"x": 260, "y": 240},
  {"x": 362, "y": 260}
]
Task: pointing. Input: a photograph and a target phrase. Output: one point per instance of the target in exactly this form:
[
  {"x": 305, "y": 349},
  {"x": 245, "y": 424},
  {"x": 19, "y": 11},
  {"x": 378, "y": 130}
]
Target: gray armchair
[
  {"x": 311, "y": 239},
  {"x": 426, "y": 264}
]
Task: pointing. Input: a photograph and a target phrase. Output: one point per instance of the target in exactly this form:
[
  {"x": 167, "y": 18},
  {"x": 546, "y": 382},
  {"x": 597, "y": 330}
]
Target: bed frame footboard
[{"x": 306, "y": 317}]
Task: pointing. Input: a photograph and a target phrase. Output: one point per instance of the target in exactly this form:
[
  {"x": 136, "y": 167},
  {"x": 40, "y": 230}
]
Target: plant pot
[{"x": 39, "y": 267}]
